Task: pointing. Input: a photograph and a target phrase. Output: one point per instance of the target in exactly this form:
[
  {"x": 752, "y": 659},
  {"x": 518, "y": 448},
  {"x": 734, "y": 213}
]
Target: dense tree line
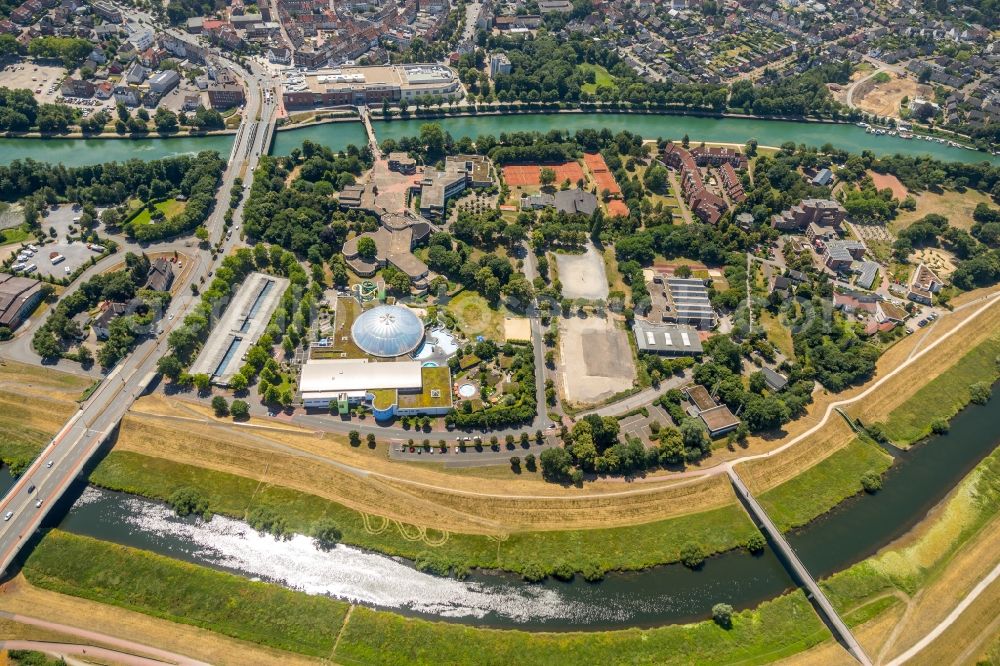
[
  {"x": 71, "y": 51},
  {"x": 800, "y": 95}
]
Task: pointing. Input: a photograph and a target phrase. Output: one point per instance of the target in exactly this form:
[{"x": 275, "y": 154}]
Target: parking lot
[
  {"x": 43, "y": 80},
  {"x": 76, "y": 253}
]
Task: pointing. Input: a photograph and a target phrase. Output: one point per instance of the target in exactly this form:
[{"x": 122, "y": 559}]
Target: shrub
[
  {"x": 940, "y": 426},
  {"x": 429, "y": 562},
  {"x": 756, "y": 542},
  {"x": 692, "y": 555},
  {"x": 722, "y": 614},
  {"x": 871, "y": 481},
  {"x": 186, "y": 501},
  {"x": 533, "y": 572},
  {"x": 266, "y": 519},
  {"x": 979, "y": 393},
  {"x": 326, "y": 534},
  {"x": 592, "y": 572},
  {"x": 563, "y": 571}
]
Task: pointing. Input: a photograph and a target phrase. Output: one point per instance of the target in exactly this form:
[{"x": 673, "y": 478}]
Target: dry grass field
[
  {"x": 956, "y": 206},
  {"x": 883, "y": 99},
  {"x": 21, "y": 597}
]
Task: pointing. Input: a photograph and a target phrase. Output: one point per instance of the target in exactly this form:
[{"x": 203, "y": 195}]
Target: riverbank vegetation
[
  {"x": 943, "y": 397},
  {"x": 824, "y": 485},
  {"x": 319, "y": 626},
  {"x": 535, "y": 554}
]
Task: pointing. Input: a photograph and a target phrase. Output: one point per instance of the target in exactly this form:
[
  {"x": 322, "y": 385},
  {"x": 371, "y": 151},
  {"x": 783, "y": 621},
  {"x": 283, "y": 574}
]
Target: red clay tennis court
[
  {"x": 605, "y": 179},
  {"x": 519, "y": 175}
]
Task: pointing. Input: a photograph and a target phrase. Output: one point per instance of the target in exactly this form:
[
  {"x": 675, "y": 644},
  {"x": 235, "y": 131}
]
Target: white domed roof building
[{"x": 388, "y": 330}]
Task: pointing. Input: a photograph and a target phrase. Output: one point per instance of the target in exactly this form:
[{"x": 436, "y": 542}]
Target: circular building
[{"x": 388, "y": 330}]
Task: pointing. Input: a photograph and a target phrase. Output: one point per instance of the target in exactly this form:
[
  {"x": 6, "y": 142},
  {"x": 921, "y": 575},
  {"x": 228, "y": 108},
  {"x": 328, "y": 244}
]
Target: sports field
[
  {"x": 520, "y": 175},
  {"x": 605, "y": 179}
]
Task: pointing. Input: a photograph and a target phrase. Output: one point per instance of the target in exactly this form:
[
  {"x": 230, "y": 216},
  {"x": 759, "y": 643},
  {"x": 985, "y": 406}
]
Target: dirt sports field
[
  {"x": 520, "y": 175},
  {"x": 884, "y": 180}
]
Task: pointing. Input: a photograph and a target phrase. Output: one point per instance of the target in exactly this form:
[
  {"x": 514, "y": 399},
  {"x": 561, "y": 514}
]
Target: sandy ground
[
  {"x": 596, "y": 359},
  {"x": 940, "y": 261},
  {"x": 582, "y": 275},
  {"x": 21, "y": 597},
  {"x": 884, "y": 99}
]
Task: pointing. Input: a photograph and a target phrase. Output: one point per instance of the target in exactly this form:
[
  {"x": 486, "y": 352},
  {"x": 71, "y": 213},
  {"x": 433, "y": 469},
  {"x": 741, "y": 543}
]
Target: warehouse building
[
  {"x": 243, "y": 322},
  {"x": 400, "y": 388},
  {"x": 666, "y": 339}
]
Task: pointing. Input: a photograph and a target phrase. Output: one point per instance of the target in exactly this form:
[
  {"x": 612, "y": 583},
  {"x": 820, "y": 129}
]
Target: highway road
[{"x": 29, "y": 500}]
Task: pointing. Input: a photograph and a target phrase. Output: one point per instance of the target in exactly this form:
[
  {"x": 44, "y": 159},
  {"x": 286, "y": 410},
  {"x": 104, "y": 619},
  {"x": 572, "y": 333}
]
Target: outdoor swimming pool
[
  {"x": 440, "y": 338},
  {"x": 467, "y": 390}
]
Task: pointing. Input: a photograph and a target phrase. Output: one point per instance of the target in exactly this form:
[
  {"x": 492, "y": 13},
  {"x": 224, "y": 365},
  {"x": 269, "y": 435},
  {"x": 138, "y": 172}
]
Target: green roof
[{"x": 435, "y": 392}]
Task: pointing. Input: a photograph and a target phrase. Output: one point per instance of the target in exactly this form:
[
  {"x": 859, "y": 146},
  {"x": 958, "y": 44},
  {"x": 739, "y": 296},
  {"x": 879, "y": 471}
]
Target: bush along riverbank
[{"x": 318, "y": 626}]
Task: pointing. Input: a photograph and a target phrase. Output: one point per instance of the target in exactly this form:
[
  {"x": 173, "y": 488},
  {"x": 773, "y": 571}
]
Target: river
[
  {"x": 859, "y": 527},
  {"x": 338, "y": 135}
]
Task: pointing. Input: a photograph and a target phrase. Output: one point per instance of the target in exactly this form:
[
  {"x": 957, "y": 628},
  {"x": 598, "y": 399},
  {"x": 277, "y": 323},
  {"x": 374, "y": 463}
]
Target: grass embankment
[
  {"x": 824, "y": 485},
  {"x": 627, "y": 547},
  {"x": 231, "y": 605},
  {"x": 945, "y": 395},
  {"x": 185, "y": 593},
  {"x": 972, "y": 507}
]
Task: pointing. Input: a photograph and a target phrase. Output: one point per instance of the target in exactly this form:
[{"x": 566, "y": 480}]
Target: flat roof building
[
  {"x": 717, "y": 418},
  {"x": 18, "y": 297},
  {"x": 371, "y": 85},
  {"x": 390, "y": 388},
  {"x": 681, "y": 301},
  {"x": 666, "y": 339},
  {"x": 240, "y": 327}
]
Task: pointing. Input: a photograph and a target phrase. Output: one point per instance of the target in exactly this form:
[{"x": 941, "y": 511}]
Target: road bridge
[
  {"x": 61, "y": 462},
  {"x": 798, "y": 570}
]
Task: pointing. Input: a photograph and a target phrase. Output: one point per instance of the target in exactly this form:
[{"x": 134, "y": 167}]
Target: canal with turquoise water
[
  {"x": 76, "y": 152},
  {"x": 919, "y": 479}
]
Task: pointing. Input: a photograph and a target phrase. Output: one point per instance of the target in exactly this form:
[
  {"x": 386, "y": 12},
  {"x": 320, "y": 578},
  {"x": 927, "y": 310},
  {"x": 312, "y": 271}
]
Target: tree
[
  {"x": 547, "y": 176},
  {"x": 722, "y": 615},
  {"x": 220, "y": 406},
  {"x": 682, "y": 271},
  {"x": 202, "y": 382},
  {"x": 240, "y": 409},
  {"x": 238, "y": 383},
  {"x": 367, "y": 248},
  {"x": 371, "y": 440},
  {"x": 433, "y": 137},
  {"x": 326, "y": 534},
  {"x": 354, "y": 437},
  {"x": 165, "y": 120},
  {"x": 556, "y": 464},
  {"x": 169, "y": 366},
  {"x": 655, "y": 178}
]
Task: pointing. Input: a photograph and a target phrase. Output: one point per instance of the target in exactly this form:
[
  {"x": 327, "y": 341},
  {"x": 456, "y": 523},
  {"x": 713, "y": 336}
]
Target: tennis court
[
  {"x": 520, "y": 175},
  {"x": 605, "y": 179}
]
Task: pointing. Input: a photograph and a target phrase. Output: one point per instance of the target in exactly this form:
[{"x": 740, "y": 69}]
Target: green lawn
[
  {"x": 824, "y": 485},
  {"x": 634, "y": 547},
  {"x": 180, "y": 592},
  {"x": 170, "y": 208},
  {"x": 14, "y": 235},
  {"x": 476, "y": 317},
  {"x": 289, "y": 620},
  {"x": 945, "y": 395},
  {"x": 602, "y": 77}
]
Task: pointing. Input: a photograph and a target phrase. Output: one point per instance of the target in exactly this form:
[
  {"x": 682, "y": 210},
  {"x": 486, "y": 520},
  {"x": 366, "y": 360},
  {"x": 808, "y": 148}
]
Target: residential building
[
  {"x": 707, "y": 205},
  {"x": 499, "y": 64},
  {"x": 774, "y": 380},
  {"x": 924, "y": 283},
  {"x": 160, "y": 276},
  {"x": 731, "y": 181},
  {"x": 823, "y": 178},
  {"x": 824, "y": 212},
  {"x": 77, "y": 88},
  {"x": 840, "y": 254}
]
